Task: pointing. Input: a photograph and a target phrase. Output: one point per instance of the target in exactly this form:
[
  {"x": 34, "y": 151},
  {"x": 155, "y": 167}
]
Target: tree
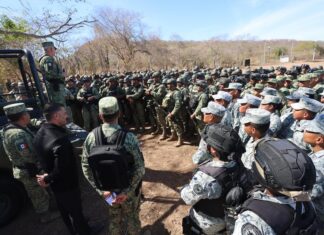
[{"x": 124, "y": 32}]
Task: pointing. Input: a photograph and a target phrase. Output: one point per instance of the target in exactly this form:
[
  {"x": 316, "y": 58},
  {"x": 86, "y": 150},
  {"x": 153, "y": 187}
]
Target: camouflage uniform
[
  {"x": 317, "y": 194},
  {"x": 54, "y": 78},
  {"x": 249, "y": 223},
  {"x": 203, "y": 186},
  {"x": 202, "y": 102},
  {"x": 275, "y": 124},
  {"x": 298, "y": 134},
  {"x": 127, "y": 212},
  {"x": 227, "y": 119},
  {"x": 158, "y": 91},
  {"x": 89, "y": 108},
  {"x": 18, "y": 145},
  {"x": 172, "y": 104},
  {"x": 137, "y": 106}
]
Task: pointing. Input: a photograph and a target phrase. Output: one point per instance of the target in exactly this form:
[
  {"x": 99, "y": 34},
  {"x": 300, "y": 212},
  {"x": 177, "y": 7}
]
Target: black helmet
[
  {"x": 283, "y": 167},
  {"x": 224, "y": 139}
]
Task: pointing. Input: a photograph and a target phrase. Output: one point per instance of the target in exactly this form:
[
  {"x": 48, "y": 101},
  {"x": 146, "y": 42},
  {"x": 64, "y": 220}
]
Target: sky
[{"x": 200, "y": 19}]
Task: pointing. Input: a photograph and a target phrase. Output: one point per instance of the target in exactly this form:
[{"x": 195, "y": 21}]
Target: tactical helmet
[
  {"x": 283, "y": 167},
  {"x": 224, "y": 139},
  {"x": 172, "y": 81}
]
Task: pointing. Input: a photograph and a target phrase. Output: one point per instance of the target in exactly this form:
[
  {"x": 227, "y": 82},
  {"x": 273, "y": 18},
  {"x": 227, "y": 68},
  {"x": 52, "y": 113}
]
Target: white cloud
[{"x": 298, "y": 21}]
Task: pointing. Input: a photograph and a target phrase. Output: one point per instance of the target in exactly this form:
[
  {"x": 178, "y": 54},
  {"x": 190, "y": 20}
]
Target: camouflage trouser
[
  {"x": 56, "y": 96},
  {"x": 38, "y": 195},
  {"x": 199, "y": 125},
  {"x": 138, "y": 113},
  {"x": 124, "y": 218},
  {"x": 175, "y": 125},
  {"x": 160, "y": 115},
  {"x": 90, "y": 116}
]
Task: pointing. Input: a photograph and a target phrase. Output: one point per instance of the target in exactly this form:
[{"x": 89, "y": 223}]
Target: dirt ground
[{"x": 167, "y": 169}]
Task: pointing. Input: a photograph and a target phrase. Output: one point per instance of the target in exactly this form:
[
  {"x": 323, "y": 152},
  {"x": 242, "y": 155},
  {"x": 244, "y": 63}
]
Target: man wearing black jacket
[{"x": 55, "y": 153}]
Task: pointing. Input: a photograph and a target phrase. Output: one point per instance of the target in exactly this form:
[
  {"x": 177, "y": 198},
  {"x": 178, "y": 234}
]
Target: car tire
[{"x": 12, "y": 199}]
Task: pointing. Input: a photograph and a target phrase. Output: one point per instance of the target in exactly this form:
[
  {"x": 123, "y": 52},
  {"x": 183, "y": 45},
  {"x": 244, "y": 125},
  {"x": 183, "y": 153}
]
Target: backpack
[
  {"x": 109, "y": 161},
  {"x": 282, "y": 218}
]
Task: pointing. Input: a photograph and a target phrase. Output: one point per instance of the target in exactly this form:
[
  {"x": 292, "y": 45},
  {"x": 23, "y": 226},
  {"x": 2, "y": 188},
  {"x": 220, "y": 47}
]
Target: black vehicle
[{"x": 12, "y": 193}]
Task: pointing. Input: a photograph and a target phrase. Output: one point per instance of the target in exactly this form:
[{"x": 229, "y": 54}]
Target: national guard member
[
  {"x": 284, "y": 206},
  {"x": 223, "y": 98},
  {"x": 304, "y": 111},
  {"x": 18, "y": 145},
  {"x": 273, "y": 105},
  {"x": 89, "y": 97},
  {"x": 235, "y": 90},
  {"x": 213, "y": 114},
  {"x": 53, "y": 74},
  {"x": 314, "y": 135},
  {"x": 125, "y": 207},
  {"x": 209, "y": 186}
]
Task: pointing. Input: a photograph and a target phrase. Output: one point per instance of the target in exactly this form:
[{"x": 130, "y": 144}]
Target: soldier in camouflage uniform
[
  {"x": 18, "y": 145},
  {"x": 235, "y": 89},
  {"x": 201, "y": 98},
  {"x": 158, "y": 92},
  {"x": 314, "y": 135},
  {"x": 53, "y": 74},
  {"x": 184, "y": 112},
  {"x": 171, "y": 104},
  {"x": 223, "y": 98},
  {"x": 272, "y": 104},
  {"x": 124, "y": 212},
  {"x": 136, "y": 103},
  {"x": 205, "y": 192},
  {"x": 89, "y": 97}
]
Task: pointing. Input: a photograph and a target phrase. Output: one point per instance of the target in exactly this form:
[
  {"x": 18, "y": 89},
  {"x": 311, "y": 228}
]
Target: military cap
[
  {"x": 258, "y": 86},
  {"x": 256, "y": 116},
  {"x": 271, "y": 99},
  {"x": 319, "y": 72},
  {"x": 250, "y": 99},
  {"x": 86, "y": 79},
  {"x": 306, "y": 91},
  {"x": 222, "y": 95},
  {"x": 268, "y": 91},
  {"x": 108, "y": 105},
  {"x": 112, "y": 79},
  {"x": 234, "y": 86},
  {"x": 201, "y": 83},
  {"x": 200, "y": 76},
  {"x": 150, "y": 81},
  {"x": 289, "y": 78},
  {"x": 284, "y": 90},
  {"x": 280, "y": 78},
  {"x": 296, "y": 95},
  {"x": 214, "y": 108},
  {"x": 255, "y": 76},
  {"x": 121, "y": 80},
  {"x": 48, "y": 44},
  {"x": 223, "y": 74},
  {"x": 272, "y": 80},
  {"x": 316, "y": 125},
  {"x": 303, "y": 78},
  {"x": 164, "y": 80},
  {"x": 180, "y": 80},
  {"x": 308, "y": 104},
  {"x": 156, "y": 74},
  {"x": 171, "y": 80},
  {"x": 16, "y": 108}
]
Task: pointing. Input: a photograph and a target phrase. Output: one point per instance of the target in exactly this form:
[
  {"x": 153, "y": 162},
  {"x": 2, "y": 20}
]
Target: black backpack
[{"x": 109, "y": 161}]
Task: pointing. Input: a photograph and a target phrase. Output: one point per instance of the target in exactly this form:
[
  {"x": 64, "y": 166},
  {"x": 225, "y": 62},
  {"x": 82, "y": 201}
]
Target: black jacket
[{"x": 55, "y": 153}]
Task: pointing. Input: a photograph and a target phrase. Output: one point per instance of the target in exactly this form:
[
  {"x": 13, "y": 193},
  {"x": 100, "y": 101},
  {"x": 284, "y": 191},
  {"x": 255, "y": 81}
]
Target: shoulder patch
[{"x": 250, "y": 229}]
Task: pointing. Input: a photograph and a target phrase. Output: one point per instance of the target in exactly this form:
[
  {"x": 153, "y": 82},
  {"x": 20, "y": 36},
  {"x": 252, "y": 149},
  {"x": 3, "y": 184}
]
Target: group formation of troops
[{"x": 232, "y": 113}]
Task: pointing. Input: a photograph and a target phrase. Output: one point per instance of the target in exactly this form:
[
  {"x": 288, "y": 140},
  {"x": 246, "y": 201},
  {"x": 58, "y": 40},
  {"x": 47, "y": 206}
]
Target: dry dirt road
[{"x": 167, "y": 169}]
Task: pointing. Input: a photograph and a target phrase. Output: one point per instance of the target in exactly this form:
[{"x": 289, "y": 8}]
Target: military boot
[
  {"x": 164, "y": 135},
  {"x": 180, "y": 141},
  {"x": 157, "y": 131},
  {"x": 48, "y": 216},
  {"x": 172, "y": 137}
]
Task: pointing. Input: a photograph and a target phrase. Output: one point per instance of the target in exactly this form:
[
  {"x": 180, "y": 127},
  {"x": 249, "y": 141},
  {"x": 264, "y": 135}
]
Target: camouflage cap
[
  {"x": 234, "y": 86},
  {"x": 16, "y": 108},
  {"x": 171, "y": 81},
  {"x": 319, "y": 72},
  {"x": 214, "y": 108},
  {"x": 48, "y": 44},
  {"x": 316, "y": 125},
  {"x": 222, "y": 95},
  {"x": 269, "y": 91},
  {"x": 296, "y": 95},
  {"x": 306, "y": 91},
  {"x": 250, "y": 99},
  {"x": 258, "y": 86},
  {"x": 201, "y": 83},
  {"x": 271, "y": 99},
  {"x": 150, "y": 81},
  {"x": 256, "y": 116},
  {"x": 108, "y": 105},
  {"x": 285, "y": 91},
  {"x": 272, "y": 80},
  {"x": 280, "y": 78},
  {"x": 303, "y": 78},
  {"x": 308, "y": 104},
  {"x": 289, "y": 78}
]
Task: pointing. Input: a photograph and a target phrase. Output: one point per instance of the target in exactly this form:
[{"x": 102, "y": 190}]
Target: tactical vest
[
  {"x": 225, "y": 177},
  {"x": 168, "y": 101},
  {"x": 282, "y": 218}
]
